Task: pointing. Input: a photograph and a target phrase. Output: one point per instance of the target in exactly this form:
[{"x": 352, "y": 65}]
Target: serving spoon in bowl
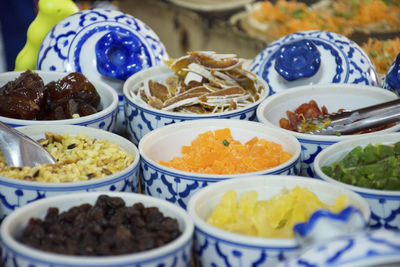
[{"x": 20, "y": 150}]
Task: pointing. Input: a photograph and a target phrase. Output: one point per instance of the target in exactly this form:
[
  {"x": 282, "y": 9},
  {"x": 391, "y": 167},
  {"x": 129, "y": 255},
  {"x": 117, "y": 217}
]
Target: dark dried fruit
[{"x": 107, "y": 228}]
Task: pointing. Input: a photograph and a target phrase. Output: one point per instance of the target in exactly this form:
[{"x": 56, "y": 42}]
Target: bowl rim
[
  {"x": 203, "y": 226},
  {"x": 78, "y": 185},
  {"x": 104, "y": 113},
  {"x": 325, "y": 139},
  {"x": 146, "y": 256},
  {"x": 175, "y": 127},
  {"x": 163, "y": 69},
  {"x": 350, "y": 144}
]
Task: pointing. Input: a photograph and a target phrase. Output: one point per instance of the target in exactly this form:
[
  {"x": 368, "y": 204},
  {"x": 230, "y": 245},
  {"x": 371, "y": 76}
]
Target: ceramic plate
[{"x": 211, "y": 5}]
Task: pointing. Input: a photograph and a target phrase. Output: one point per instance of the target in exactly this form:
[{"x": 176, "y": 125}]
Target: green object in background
[
  {"x": 374, "y": 166},
  {"x": 50, "y": 12}
]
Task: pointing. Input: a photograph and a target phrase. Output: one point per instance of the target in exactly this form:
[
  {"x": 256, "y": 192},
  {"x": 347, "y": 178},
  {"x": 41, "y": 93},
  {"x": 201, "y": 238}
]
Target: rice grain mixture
[{"x": 78, "y": 158}]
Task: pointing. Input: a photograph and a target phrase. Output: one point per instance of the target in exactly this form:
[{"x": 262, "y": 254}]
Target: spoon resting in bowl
[{"x": 20, "y": 150}]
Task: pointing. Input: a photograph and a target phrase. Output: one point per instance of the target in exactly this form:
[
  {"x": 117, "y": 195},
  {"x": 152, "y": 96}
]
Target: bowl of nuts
[
  {"x": 199, "y": 85},
  {"x": 97, "y": 229},
  {"x": 49, "y": 97},
  {"x": 86, "y": 159}
]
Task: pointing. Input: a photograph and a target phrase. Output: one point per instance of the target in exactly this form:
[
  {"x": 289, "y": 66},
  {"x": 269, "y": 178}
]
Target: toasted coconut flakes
[{"x": 158, "y": 90}]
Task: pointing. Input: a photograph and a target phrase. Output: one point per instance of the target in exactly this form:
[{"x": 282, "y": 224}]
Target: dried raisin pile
[{"x": 107, "y": 228}]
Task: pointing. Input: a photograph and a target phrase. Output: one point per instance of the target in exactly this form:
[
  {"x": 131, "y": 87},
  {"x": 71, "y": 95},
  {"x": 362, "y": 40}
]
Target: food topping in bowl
[
  {"x": 374, "y": 166},
  {"x": 28, "y": 98},
  {"x": 272, "y": 218},
  {"x": 78, "y": 158},
  {"x": 107, "y": 228},
  {"x": 218, "y": 153},
  {"x": 204, "y": 82},
  {"x": 299, "y": 120}
]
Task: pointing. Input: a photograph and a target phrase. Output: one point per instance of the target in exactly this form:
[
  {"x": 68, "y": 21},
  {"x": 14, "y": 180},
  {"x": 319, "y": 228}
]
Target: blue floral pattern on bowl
[
  {"x": 392, "y": 78},
  {"x": 71, "y": 46},
  {"x": 211, "y": 250},
  {"x": 342, "y": 61},
  {"x": 181, "y": 256},
  {"x": 366, "y": 248},
  {"x": 297, "y": 60},
  {"x": 166, "y": 185}
]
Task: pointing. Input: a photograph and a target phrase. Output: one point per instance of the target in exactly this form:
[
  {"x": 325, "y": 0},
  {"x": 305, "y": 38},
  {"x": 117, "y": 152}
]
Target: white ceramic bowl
[
  {"x": 334, "y": 97},
  {"x": 385, "y": 204},
  {"x": 217, "y": 247},
  {"x": 16, "y": 193},
  {"x": 141, "y": 118},
  {"x": 166, "y": 142},
  {"x": 104, "y": 119},
  {"x": 176, "y": 253}
]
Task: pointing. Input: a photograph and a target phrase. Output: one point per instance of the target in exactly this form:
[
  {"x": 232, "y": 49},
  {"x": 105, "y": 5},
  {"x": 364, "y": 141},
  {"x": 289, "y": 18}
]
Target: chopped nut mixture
[{"x": 78, "y": 158}]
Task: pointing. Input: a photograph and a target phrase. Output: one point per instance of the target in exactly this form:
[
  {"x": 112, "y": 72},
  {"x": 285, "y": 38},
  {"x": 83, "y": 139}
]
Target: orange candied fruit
[{"x": 218, "y": 153}]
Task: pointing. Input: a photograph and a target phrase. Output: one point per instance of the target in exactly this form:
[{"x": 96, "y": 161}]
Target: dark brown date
[{"x": 27, "y": 98}]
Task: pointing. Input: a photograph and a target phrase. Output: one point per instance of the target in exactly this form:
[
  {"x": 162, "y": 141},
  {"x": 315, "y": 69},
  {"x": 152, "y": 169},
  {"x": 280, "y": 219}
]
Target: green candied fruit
[
  {"x": 374, "y": 166},
  {"x": 353, "y": 158}
]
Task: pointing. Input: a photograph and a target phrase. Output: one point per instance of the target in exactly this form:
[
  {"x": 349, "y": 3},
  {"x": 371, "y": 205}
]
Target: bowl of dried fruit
[
  {"x": 86, "y": 159},
  {"x": 179, "y": 159},
  {"x": 97, "y": 229},
  {"x": 289, "y": 110},
  {"x": 251, "y": 219},
  {"x": 369, "y": 166},
  {"x": 199, "y": 85},
  {"x": 49, "y": 97}
]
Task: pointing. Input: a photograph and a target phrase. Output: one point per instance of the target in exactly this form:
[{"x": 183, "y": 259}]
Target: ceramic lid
[
  {"x": 392, "y": 78},
  {"x": 343, "y": 239},
  {"x": 102, "y": 44},
  {"x": 312, "y": 57}
]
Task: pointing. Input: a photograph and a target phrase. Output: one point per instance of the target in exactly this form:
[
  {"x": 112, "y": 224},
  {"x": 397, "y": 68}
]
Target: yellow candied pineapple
[{"x": 275, "y": 217}]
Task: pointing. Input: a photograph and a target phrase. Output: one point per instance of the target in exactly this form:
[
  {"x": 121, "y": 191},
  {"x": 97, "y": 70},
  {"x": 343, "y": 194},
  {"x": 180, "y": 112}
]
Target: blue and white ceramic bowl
[
  {"x": 105, "y": 45},
  {"x": 104, "y": 119},
  {"x": 334, "y": 97},
  {"x": 176, "y": 253},
  {"x": 385, "y": 204},
  {"x": 217, "y": 247},
  {"x": 15, "y": 193},
  {"x": 313, "y": 57},
  {"x": 360, "y": 249},
  {"x": 392, "y": 78},
  {"x": 166, "y": 142},
  {"x": 141, "y": 118}
]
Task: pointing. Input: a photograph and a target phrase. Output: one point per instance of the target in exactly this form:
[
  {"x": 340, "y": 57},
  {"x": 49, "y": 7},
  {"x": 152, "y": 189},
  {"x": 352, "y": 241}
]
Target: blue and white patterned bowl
[
  {"x": 15, "y": 193},
  {"x": 141, "y": 118},
  {"x": 360, "y": 249},
  {"x": 313, "y": 57},
  {"x": 176, "y": 253},
  {"x": 166, "y": 142},
  {"x": 217, "y": 247},
  {"x": 104, "y": 119},
  {"x": 105, "y": 45},
  {"x": 334, "y": 97},
  {"x": 392, "y": 77},
  {"x": 385, "y": 204}
]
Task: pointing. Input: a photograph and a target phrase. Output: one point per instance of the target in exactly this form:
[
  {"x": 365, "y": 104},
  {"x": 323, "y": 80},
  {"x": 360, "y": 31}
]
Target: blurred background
[{"x": 242, "y": 27}]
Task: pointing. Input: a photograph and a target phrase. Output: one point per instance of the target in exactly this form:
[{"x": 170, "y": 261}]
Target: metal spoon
[{"x": 20, "y": 150}]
